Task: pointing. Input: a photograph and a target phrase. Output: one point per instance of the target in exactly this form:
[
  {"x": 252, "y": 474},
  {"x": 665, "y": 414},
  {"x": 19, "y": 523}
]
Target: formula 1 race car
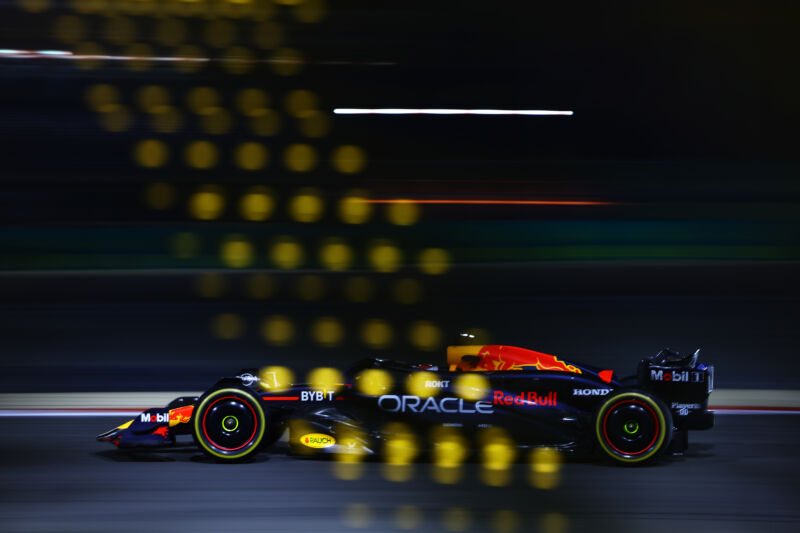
[{"x": 536, "y": 398}]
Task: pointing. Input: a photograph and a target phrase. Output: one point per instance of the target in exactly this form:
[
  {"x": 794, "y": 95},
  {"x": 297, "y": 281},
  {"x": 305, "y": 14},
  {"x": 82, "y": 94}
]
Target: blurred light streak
[
  {"x": 66, "y": 54},
  {"x": 435, "y": 111},
  {"x": 451, "y": 201}
]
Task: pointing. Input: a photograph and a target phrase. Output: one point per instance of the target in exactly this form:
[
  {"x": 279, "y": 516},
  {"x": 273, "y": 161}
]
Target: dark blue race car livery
[{"x": 536, "y": 399}]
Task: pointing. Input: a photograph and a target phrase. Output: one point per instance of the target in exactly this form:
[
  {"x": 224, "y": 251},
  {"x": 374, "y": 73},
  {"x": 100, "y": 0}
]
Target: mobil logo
[
  {"x": 154, "y": 417},
  {"x": 549, "y": 399},
  {"x": 680, "y": 376}
]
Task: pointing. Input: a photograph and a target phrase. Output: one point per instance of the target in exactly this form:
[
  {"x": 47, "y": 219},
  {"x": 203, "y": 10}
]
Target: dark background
[{"x": 684, "y": 121}]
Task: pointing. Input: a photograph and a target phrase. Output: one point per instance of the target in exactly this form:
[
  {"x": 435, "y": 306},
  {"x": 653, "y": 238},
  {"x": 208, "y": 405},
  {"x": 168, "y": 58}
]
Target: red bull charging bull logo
[{"x": 494, "y": 357}]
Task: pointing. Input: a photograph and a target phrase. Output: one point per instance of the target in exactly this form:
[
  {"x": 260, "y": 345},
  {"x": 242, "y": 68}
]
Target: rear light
[{"x": 710, "y": 378}]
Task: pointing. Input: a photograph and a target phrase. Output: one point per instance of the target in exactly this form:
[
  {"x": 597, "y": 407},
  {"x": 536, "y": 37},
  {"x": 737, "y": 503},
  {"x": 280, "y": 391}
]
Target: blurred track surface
[{"x": 744, "y": 475}]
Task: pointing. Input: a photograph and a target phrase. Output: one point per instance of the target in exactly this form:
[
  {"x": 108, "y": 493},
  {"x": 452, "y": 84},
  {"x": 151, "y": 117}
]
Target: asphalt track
[{"x": 744, "y": 475}]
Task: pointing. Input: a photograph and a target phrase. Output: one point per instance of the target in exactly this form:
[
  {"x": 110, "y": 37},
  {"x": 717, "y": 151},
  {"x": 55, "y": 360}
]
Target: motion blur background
[{"x": 178, "y": 201}]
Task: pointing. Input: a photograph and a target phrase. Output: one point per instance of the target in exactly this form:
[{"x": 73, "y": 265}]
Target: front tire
[
  {"x": 632, "y": 427},
  {"x": 229, "y": 424}
]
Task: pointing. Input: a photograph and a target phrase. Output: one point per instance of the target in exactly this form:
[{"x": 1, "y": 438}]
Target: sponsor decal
[
  {"x": 590, "y": 392},
  {"x": 437, "y": 384},
  {"x": 684, "y": 408},
  {"x": 414, "y": 404},
  {"x": 681, "y": 376},
  {"x": 317, "y": 440},
  {"x": 248, "y": 379},
  {"x": 525, "y": 398},
  {"x": 154, "y": 417},
  {"x": 316, "y": 396},
  {"x": 163, "y": 431},
  {"x": 181, "y": 415}
]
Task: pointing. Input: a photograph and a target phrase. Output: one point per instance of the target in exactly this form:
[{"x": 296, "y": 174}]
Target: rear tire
[
  {"x": 229, "y": 424},
  {"x": 633, "y": 427}
]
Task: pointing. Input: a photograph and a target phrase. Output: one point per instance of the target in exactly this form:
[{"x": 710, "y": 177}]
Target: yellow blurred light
[
  {"x": 275, "y": 378},
  {"x": 401, "y": 446},
  {"x": 358, "y": 289},
  {"x": 309, "y": 11},
  {"x": 152, "y": 97},
  {"x": 407, "y": 517},
  {"x": 449, "y": 448},
  {"x": 407, "y": 291},
  {"x": 211, "y": 285},
  {"x": 374, "y": 382},
  {"x": 376, "y": 333},
  {"x": 456, "y": 519},
  {"x": 265, "y": 122},
  {"x": 471, "y": 386},
  {"x": 434, "y": 261},
  {"x": 115, "y": 118},
  {"x": 300, "y": 157},
  {"x": 268, "y": 35},
  {"x": 142, "y": 53},
  {"x": 287, "y": 253},
  {"x": 326, "y": 379},
  {"x": 120, "y": 30},
  {"x": 202, "y": 99},
  {"x": 251, "y": 156},
  {"x": 258, "y": 286},
  {"x": 357, "y": 516},
  {"x": 151, "y": 153},
  {"x": 257, "y": 204},
  {"x": 236, "y": 8},
  {"x": 166, "y": 119},
  {"x": 425, "y": 335},
  {"x": 69, "y": 29},
  {"x": 250, "y": 101},
  {"x": 219, "y": 33},
  {"x": 170, "y": 32},
  {"x": 159, "y": 195},
  {"x": 505, "y": 521},
  {"x": 215, "y": 121},
  {"x": 327, "y": 331},
  {"x": 237, "y": 252},
  {"x": 300, "y": 101},
  {"x": 553, "y": 523},
  {"x": 545, "y": 460},
  {"x": 354, "y": 207},
  {"x": 201, "y": 154},
  {"x": 90, "y": 52},
  {"x": 348, "y": 159},
  {"x": 207, "y": 203},
  {"x": 313, "y": 124},
  {"x": 101, "y": 95},
  {"x": 384, "y": 256},
  {"x": 34, "y": 6},
  {"x": 307, "y": 205},
  {"x": 419, "y": 384},
  {"x": 238, "y": 60},
  {"x": 185, "y": 245},
  {"x": 227, "y": 326},
  {"x": 497, "y": 453},
  {"x": 189, "y": 51},
  {"x": 286, "y": 62},
  {"x": 404, "y": 213},
  {"x": 277, "y": 330},
  {"x": 310, "y": 288},
  {"x": 335, "y": 254},
  {"x": 348, "y": 469}
]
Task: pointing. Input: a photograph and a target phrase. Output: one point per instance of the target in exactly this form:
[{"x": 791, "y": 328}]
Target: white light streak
[{"x": 436, "y": 111}]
